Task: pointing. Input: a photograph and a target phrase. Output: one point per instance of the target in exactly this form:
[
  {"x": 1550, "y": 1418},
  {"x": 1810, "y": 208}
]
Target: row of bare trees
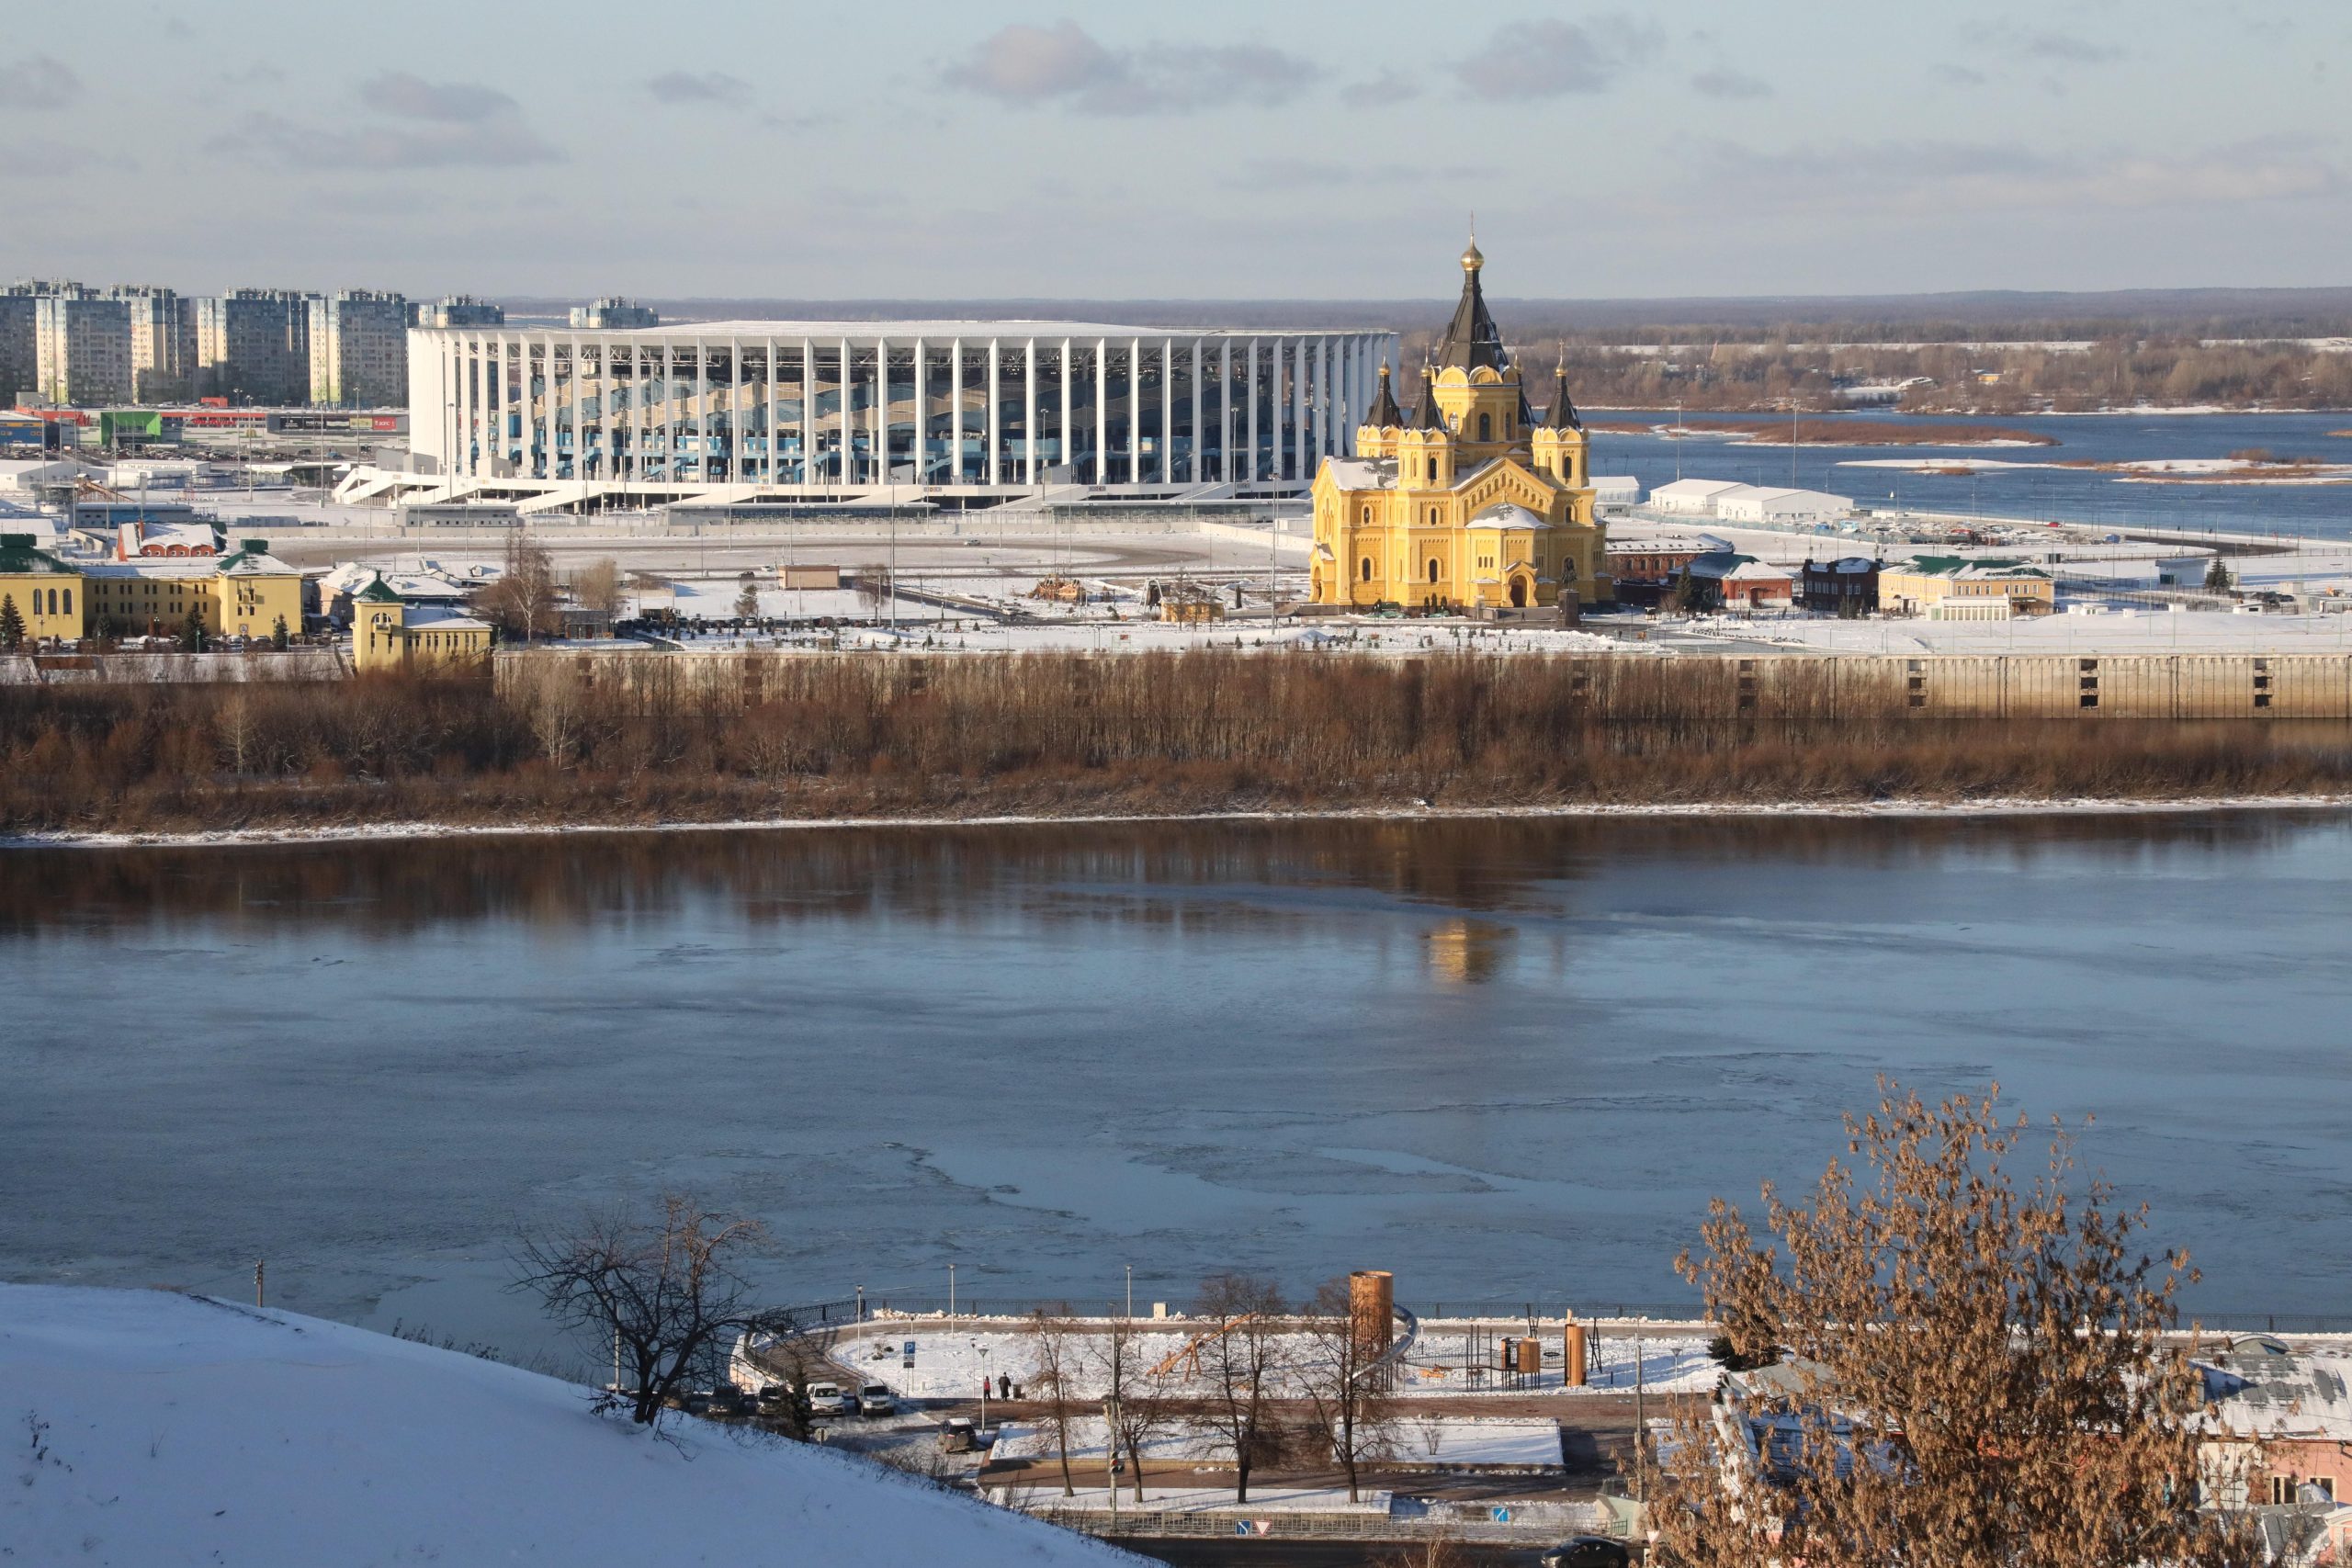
[{"x": 1265, "y": 1381}]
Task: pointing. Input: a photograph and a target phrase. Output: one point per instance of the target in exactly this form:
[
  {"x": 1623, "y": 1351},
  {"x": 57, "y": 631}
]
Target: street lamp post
[
  {"x": 951, "y": 1290},
  {"x": 1131, "y": 1290},
  {"x": 984, "y": 1383}
]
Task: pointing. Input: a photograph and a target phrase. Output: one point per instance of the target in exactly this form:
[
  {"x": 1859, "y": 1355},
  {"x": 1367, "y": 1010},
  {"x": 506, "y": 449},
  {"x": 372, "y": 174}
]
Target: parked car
[
  {"x": 827, "y": 1399},
  {"x": 1588, "y": 1551},
  {"x": 726, "y": 1399},
  {"x": 876, "y": 1399},
  {"x": 958, "y": 1436},
  {"x": 774, "y": 1398}
]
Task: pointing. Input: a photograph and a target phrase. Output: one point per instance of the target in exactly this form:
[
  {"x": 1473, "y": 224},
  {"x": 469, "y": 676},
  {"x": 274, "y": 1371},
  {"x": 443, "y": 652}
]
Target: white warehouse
[
  {"x": 953, "y": 413},
  {"x": 1753, "y": 503}
]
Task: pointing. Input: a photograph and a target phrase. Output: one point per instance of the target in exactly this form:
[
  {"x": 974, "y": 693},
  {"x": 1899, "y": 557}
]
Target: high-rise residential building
[
  {"x": 163, "y": 342},
  {"x": 81, "y": 348},
  {"x": 252, "y": 345},
  {"x": 359, "y": 349},
  {"x": 458, "y": 310},
  {"x": 613, "y": 315},
  {"x": 18, "y": 362}
]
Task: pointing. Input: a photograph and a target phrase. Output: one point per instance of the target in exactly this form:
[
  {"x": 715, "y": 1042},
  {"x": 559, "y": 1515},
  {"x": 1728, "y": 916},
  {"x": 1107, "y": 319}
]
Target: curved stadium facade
[{"x": 951, "y": 412}]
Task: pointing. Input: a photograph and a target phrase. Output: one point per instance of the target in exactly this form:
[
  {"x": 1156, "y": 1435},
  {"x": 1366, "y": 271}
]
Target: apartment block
[
  {"x": 457, "y": 310},
  {"x": 358, "y": 341},
  {"x": 163, "y": 342},
  {"x": 613, "y": 315},
  {"x": 253, "y": 347},
  {"x": 81, "y": 349}
]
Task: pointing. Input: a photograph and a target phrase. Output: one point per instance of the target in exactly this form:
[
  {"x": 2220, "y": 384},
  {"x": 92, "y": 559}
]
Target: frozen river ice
[{"x": 1510, "y": 1061}]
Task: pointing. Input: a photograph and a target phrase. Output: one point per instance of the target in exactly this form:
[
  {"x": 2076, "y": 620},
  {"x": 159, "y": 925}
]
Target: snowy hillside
[{"x": 152, "y": 1429}]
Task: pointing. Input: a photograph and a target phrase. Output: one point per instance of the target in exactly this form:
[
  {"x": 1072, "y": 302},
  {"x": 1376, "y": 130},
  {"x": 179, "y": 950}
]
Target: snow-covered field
[{"x": 147, "y": 1429}]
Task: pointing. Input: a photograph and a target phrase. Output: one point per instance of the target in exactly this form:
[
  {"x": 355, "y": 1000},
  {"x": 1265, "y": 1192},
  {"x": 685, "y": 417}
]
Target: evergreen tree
[
  {"x": 279, "y": 638},
  {"x": 105, "y": 634},
  {"x": 747, "y": 601},
  {"x": 192, "y": 631},
  {"x": 2217, "y": 577},
  {"x": 12, "y": 625}
]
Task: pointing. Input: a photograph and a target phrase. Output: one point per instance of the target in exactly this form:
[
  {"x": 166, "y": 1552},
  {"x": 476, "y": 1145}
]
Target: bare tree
[
  {"x": 597, "y": 586},
  {"x": 874, "y": 585},
  {"x": 1241, "y": 1359},
  {"x": 747, "y": 597},
  {"x": 1135, "y": 1402},
  {"x": 1051, "y": 1338},
  {"x": 523, "y": 600},
  {"x": 662, "y": 1291},
  {"x": 1977, "y": 1374},
  {"x": 1349, "y": 1408},
  {"x": 238, "y": 730}
]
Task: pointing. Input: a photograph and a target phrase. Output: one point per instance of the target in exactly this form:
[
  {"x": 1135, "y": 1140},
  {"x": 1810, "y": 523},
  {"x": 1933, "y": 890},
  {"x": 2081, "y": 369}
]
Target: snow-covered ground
[
  {"x": 147, "y": 1429},
  {"x": 2116, "y": 632},
  {"x": 949, "y": 1362}
]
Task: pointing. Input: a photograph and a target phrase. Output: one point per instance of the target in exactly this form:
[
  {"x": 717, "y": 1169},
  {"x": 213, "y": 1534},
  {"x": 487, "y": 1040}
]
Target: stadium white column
[
  {"x": 1301, "y": 357},
  {"x": 1168, "y": 409},
  {"x": 1066, "y": 463},
  {"x": 772, "y": 410},
  {"x": 846, "y": 381},
  {"x": 1102, "y": 411},
  {"x": 469, "y": 405},
  {"x": 1029, "y": 408},
  {"x": 1193, "y": 468},
  {"x": 1135, "y": 412},
  {"x": 1330, "y": 402},
  {"x": 1225, "y": 410},
  {"x": 922, "y": 453},
  {"x": 808, "y": 411},
  {"x": 956, "y": 410},
  {"x": 1250, "y": 464},
  {"x": 880, "y": 424},
  {"x": 991, "y": 468}
]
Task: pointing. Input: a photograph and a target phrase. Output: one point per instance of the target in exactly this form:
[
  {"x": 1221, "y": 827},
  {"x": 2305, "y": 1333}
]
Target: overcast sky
[{"x": 1217, "y": 149}]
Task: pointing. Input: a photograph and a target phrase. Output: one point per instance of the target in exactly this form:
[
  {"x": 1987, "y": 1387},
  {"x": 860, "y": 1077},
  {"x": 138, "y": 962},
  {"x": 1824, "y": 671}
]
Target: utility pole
[
  {"x": 984, "y": 1383},
  {"x": 258, "y": 1266},
  {"x": 1110, "y": 1457},
  {"x": 1640, "y": 1427},
  {"x": 1131, "y": 1290},
  {"x": 951, "y": 1290}
]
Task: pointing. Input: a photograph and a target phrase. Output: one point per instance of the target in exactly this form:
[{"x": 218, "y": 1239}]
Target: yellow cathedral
[{"x": 1468, "y": 501}]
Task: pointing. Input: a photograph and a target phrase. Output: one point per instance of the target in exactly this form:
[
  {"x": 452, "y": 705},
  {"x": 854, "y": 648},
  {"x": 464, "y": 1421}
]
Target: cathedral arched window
[
  {"x": 1432, "y": 571},
  {"x": 1432, "y": 516},
  {"x": 1367, "y": 569},
  {"x": 1486, "y": 427}
]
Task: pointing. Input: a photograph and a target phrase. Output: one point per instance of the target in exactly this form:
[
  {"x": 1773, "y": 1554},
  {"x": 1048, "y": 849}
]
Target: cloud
[
  {"x": 1725, "y": 84},
  {"x": 1550, "y": 59},
  {"x": 296, "y": 144},
  {"x": 1388, "y": 88},
  {"x": 38, "y": 82},
  {"x": 1932, "y": 177},
  {"x": 2065, "y": 49},
  {"x": 1063, "y": 63},
  {"x": 1958, "y": 75},
  {"x": 698, "y": 87},
  {"x": 406, "y": 96}
]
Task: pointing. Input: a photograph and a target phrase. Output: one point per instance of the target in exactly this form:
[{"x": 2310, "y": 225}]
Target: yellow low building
[
  {"x": 47, "y": 593},
  {"x": 1470, "y": 501},
  {"x": 245, "y": 594},
  {"x": 1957, "y": 588},
  {"x": 388, "y": 633}
]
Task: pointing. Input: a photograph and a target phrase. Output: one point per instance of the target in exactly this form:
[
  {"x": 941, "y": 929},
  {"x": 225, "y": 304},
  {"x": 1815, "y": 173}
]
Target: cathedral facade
[{"x": 1469, "y": 501}]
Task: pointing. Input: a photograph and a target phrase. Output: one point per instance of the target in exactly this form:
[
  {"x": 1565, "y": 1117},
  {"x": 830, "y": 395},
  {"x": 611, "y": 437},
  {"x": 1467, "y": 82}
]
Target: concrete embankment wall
[
  {"x": 147, "y": 669},
  {"x": 2176, "y": 687}
]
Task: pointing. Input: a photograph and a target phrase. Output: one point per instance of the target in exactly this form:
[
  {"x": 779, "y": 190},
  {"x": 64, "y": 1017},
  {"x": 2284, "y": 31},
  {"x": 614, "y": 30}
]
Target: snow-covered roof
[
  {"x": 1362, "y": 473},
  {"x": 1728, "y": 566},
  {"x": 2258, "y": 1387},
  {"x": 1695, "y": 489},
  {"x": 442, "y": 621},
  {"x": 174, "y": 1429},
  {"x": 1509, "y": 515}
]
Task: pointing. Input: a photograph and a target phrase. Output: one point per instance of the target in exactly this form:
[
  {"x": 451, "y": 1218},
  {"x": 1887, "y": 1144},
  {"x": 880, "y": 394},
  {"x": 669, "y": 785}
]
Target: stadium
[{"x": 953, "y": 415}]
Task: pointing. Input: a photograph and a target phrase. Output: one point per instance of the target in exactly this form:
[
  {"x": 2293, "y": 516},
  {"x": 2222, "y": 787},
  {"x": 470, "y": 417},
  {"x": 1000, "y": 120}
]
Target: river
[
  {"x": 1510, "y": 1061},
  {"x": 2041, "y": 489}
]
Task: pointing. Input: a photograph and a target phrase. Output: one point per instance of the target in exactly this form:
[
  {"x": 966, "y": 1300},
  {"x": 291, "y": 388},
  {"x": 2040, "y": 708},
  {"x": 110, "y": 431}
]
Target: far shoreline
[{"x": 1891, "y": 810}]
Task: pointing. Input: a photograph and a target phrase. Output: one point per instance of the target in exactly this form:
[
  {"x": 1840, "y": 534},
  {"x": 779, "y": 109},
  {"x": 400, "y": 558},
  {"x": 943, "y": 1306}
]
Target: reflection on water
[
  {"x": 1468, "y": 952},
  {"x": 1507, "y": 1059}
]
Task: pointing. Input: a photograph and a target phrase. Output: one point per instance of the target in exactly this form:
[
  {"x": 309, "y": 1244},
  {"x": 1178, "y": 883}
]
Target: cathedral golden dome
[{"x": 1473, "y": 258}]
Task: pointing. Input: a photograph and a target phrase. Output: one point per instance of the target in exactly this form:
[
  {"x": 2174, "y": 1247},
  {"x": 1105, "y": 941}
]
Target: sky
[{"x": 1220, "y": 149}]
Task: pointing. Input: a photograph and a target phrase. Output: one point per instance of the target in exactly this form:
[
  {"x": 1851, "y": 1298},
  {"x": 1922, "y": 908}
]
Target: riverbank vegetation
[
  {"x": 2005, "y": 378},
  {"x": 1843, "y": 432},
  {"x": 566, "y": 741}
]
